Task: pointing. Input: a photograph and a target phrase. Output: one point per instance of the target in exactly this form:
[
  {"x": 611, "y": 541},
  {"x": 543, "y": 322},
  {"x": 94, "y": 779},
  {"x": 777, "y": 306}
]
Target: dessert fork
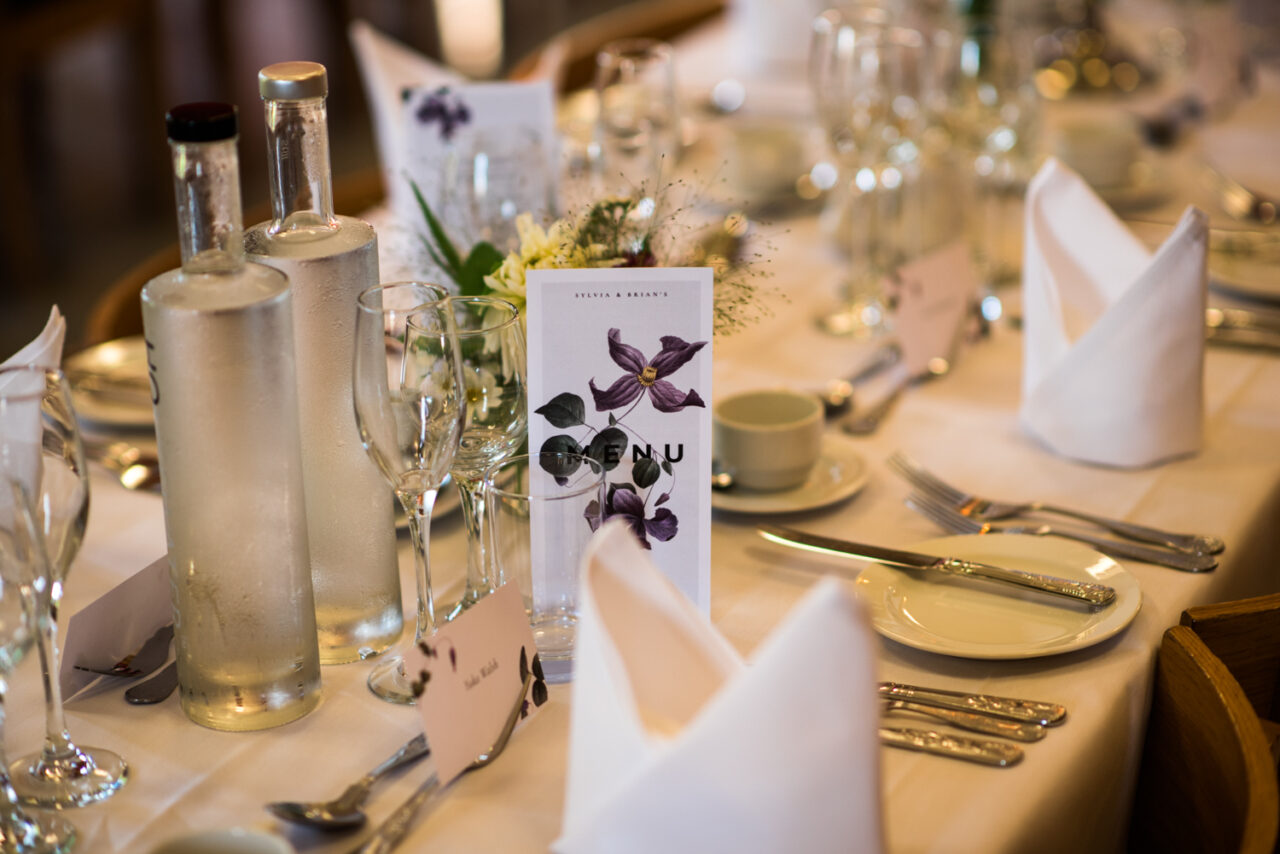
[
  {"x": 953, "y": 520},
  {"x": 983, "y": 509}
]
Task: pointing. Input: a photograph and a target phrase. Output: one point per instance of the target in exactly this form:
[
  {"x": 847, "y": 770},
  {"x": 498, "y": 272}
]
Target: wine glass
[
  {"x": 408, "y": 400},
  {"x": 491, "y": 341},
  {"x": 41, "y": 451},
  {"x": 508, "y": 173},
  {"x": 638, "y": 118},
  {"x": 20, "y": 832},
  {"x": 870, "y": 81}
]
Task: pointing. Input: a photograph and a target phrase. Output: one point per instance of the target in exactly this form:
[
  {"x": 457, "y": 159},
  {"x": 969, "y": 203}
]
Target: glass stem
[
  {"x": 57, "y": 744},
  {"x": 473, "y": 518},
  {"x": 15, "y": 825},
  {"x": 418, "y": 508}
]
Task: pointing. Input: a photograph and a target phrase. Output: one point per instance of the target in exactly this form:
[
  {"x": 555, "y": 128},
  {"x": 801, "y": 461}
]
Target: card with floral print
[
  {"x": 480, "y": 154},
  {"x": 620, "y": 370}
]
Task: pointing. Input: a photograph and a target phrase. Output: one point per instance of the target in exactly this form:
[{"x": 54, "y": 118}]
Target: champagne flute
[
  {"x": 638, "y": 118},
  {"x": 20, "y": 832},
  {"x": 508, "y": 173},
  {"x": 491, "y": 341},
  {"x": 870, "y": 80},
  {"x": 409, "y": 408},
  {"x": 41, "y": 451}
]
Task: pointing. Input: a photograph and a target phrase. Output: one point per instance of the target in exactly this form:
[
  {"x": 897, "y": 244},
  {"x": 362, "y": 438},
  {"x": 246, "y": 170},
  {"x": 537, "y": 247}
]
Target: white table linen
[{"x": 186, "y": 778}]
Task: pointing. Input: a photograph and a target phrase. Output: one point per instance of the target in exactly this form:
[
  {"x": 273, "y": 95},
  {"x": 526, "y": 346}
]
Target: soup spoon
[{"x": 343, "y": 812}]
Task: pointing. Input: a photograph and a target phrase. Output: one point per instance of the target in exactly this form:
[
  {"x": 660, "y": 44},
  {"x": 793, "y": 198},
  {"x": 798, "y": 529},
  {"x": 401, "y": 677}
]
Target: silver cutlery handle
[
  {"x": 1032, "y": 711},
  {"x": 1148, "y": 554},
  {"x": 1191, "y": 543},
  {"x": 982, "y": 751},
  {"x": 1094, "y": 594},
  {"x": 413, "y": 749},
  {"x": 393, "y": 831},
  {"x": 1015, "y": 730}
]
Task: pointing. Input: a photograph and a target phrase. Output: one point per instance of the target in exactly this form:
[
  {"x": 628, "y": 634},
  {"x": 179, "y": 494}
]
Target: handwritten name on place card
[{"x": 470, "y": 673}]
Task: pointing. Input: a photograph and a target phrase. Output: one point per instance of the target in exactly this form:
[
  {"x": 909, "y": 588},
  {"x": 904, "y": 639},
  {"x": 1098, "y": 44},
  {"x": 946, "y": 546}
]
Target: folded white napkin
[
  {"x": 388, "y": 68},
  {"x": 45, "y": 350},
  {"x": 1114, "y": 336},
  {"x": 20, "y": 419},
  {"x": 678, "y": 746}
]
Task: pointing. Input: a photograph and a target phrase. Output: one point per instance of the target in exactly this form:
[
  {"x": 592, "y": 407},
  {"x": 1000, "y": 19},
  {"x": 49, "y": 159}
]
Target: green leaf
[
  {"x": 561, "y": 443},
  {"x": 613, "y": 419},
  {"x": 666, "y": 465},
  {"x": 564, "y": 410},
  {"x": 607, "y": 447},
  {"x": 453, "y": 263},
  {"x": 645, "y": 472},
  {"x": 483, "y": 260},
  {"x": 524, "y": 664}
]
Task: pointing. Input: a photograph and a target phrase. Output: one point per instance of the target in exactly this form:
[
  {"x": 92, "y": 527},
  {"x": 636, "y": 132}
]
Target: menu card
[
  {"x": 620, "y": 369},
  {"x": 479, "y": 144}
]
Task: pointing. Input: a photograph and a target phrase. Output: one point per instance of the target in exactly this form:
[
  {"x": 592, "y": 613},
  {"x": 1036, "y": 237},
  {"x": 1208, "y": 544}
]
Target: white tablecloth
[{"x": 1070, "y": 794}]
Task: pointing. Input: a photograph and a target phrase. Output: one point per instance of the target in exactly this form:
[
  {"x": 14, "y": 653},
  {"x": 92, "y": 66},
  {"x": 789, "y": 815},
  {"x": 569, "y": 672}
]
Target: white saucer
[
  {"x": 123, "y": 360},
  {"x": 978, "y": 619},
  {"x": 841, "y": 472}
]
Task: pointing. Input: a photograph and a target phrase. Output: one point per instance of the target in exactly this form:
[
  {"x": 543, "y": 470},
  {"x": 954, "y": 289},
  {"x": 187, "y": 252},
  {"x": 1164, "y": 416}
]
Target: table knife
[
  {"x": 984, "y": 751},
  {"x": 1011, "y": 708},
  {"x": 1098, "y": 595}
]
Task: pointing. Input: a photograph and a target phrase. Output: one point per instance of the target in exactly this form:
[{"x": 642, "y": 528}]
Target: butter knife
[
  {"x": 1098, "y": 595},
  {"x": 972, "y": 721},
  {"x": 1011, "y": 708},
  {"x": 983, "y": 751}
]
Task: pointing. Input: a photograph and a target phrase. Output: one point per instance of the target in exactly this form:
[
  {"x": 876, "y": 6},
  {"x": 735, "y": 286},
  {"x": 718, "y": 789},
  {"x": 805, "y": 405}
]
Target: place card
[
  {"x": 930, "y": 297},
  {"x": 480, "y": 152},
  {"x": 620, "y": 369},
  {"x": 115, "y": 625},
  {"x": 469, "y": 673}
]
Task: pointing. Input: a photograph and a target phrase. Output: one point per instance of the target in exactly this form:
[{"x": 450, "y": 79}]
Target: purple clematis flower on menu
[
  {"x": 623, "y": 502},
  {"x": 648, "y": 375}
]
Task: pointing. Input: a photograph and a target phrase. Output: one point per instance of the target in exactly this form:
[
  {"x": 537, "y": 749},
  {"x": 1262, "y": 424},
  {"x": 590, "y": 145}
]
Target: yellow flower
[{"x": 555, "y": 248}]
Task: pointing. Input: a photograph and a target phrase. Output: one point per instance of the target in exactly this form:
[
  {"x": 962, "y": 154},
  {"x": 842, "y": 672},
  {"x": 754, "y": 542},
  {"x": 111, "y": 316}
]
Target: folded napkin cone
[
  {"x": 676, "y": 745},
  {"x": 1114, "y": 336}
]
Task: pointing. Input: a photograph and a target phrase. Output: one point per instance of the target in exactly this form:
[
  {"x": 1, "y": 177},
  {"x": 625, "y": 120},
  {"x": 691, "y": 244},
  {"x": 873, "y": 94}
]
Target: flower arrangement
[{"x": 611, "y": 232}]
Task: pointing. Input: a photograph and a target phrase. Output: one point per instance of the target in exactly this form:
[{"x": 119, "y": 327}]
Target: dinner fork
[
  {"x": 952, "y": 520},
  {"x": 393, "y": 831},
  {"x": 984, "y": 509}
]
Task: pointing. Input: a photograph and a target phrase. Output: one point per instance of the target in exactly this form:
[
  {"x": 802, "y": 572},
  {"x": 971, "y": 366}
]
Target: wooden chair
[
  {"x": 1245, "y": 636},
  {"x": 118, "y": 312},
  {"x": 1207, "y": 781}
]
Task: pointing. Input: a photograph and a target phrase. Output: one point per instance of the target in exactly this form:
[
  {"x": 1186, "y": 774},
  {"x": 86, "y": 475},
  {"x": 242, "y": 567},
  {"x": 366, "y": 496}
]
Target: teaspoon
[{"x": 343, "y": 812}]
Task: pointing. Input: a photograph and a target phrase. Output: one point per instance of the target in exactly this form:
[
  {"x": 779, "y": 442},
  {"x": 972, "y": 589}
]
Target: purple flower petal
[
  {"x": 662, "y": 526},
  {"x": 624, "y": 390},
  {"x": 624, "y": 355},
  {"x": 668, "y": 398},
  {"x": 675, "y": 352},
  {"x": 627, "y": 503}
]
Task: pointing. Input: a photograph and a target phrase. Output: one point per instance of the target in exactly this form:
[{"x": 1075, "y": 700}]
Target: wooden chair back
[
  {"x": 1245, "y": 636},
  {"x": 1207, "y": 781}
]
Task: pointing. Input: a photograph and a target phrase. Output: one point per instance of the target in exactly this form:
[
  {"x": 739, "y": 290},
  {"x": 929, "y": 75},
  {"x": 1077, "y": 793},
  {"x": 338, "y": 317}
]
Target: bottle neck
[
  {"x": 206, "y": 184},
  {"x": 298, "y": 163}
]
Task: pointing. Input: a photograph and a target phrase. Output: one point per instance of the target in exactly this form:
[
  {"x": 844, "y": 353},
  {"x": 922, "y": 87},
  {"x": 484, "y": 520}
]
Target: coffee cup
[{"x": 769, "y": 440}]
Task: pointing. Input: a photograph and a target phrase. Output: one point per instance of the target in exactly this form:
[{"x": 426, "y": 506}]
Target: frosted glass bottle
[
  {"x": 219, "y": 335},
  {"x": 329, "y": 260}
]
